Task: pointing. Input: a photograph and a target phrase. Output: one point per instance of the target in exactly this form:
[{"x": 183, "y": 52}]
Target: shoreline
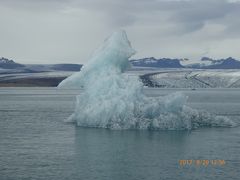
[{"x": 32, "y": 82}]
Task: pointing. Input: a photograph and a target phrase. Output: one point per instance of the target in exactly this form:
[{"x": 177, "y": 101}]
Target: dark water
[{"x": 35, "y": 143}]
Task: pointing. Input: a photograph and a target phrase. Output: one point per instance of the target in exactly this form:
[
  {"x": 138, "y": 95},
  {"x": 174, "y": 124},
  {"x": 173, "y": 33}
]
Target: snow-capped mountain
[
  {"x": 159, "y": 63},
  {"x": 228, "y": 63},
  {"x": 208, "y": 63},
  {"x": 9, "y": 64}
]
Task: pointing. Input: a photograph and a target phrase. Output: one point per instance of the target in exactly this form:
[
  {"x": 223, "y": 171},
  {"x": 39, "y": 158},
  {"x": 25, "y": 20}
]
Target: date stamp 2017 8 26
[{"x": 202, "y": 162}]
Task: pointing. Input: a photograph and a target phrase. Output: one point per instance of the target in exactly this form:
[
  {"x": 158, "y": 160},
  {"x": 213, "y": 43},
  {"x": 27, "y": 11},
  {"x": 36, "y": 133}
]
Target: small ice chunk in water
[{"x": 112, "y": 99}]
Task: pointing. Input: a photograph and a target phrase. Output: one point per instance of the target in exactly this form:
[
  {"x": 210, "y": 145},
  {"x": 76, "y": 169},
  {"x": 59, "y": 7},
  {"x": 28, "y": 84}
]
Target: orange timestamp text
[{"x": 202, "y": 162}]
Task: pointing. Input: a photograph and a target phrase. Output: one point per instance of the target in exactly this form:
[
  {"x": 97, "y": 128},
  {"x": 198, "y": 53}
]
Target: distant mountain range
[
  {"x": 9, "y": 66},
  {"x": 205, "y": 63},
  {"x": 159, "y": 63},
  {"x": 208, "y": 63}
]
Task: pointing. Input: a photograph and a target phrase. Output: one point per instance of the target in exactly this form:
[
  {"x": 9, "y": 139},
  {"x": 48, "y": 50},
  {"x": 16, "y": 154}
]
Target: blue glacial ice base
[{"x": 112, "y": 99}]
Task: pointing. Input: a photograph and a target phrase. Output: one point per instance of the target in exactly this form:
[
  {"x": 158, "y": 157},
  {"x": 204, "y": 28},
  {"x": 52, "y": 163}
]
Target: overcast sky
[{"x": 68, "y": 31}]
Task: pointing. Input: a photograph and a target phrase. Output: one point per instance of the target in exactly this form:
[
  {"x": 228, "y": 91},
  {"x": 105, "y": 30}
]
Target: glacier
[
  {"x": 112, "y": 99},
  {"x": 189, "y": 78}
]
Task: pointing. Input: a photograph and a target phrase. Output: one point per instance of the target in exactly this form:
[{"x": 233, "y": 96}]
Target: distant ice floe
[{"x": 112, "y": 99}]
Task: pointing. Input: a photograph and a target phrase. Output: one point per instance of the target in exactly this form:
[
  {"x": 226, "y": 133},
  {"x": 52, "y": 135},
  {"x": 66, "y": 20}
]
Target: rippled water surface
[{"x": 35, "y": 143}]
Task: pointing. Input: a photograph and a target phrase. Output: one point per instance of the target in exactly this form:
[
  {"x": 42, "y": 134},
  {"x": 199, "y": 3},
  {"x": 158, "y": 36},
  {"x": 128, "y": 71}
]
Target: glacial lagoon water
[{"x": 36, "y": 143}]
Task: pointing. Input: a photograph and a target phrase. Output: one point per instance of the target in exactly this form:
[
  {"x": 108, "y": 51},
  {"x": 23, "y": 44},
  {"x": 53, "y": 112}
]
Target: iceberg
[{"x": 112, "y": 99}]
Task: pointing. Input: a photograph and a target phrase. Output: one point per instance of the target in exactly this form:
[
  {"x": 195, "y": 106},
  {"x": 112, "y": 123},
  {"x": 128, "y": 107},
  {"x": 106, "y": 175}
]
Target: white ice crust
[{"x": 112, "y": 99}]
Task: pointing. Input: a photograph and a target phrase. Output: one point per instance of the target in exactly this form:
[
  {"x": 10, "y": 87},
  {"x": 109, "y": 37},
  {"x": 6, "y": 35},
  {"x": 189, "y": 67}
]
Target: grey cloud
[
  {"x": 200, "y": 12},
  {"x": 189, "y": 15},
  {"x": 81, "y": 24},
  {"x": 192, "y": 14}
]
